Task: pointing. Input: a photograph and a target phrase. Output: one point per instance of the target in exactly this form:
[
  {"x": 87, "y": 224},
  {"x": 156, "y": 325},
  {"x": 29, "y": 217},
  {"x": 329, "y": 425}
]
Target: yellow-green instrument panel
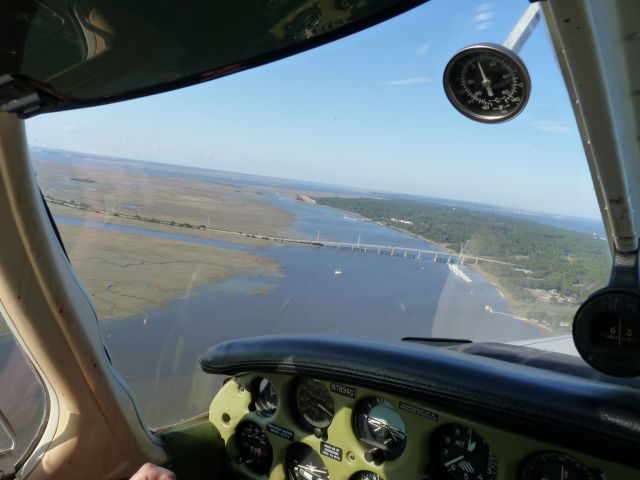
[{"x": 343, "y": 454}]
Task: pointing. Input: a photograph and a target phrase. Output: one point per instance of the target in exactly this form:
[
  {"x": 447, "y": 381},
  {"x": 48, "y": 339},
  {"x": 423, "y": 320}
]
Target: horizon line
[{"x": 354, "y": 189}]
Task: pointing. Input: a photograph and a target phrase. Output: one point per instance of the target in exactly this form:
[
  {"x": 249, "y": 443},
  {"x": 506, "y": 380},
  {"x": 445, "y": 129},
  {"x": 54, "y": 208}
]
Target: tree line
[{"x": 548, "y": 258}]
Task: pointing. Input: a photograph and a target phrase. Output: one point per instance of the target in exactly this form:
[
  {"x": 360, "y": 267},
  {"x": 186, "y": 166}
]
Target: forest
[{"x": 552, "y": 266}]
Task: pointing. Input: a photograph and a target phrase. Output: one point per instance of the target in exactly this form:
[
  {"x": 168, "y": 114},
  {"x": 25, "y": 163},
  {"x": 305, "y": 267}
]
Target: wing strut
[{"x": 523, "y": 29}]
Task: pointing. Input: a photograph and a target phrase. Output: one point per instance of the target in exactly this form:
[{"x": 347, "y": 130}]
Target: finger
[{"x": 149, "y": 471}]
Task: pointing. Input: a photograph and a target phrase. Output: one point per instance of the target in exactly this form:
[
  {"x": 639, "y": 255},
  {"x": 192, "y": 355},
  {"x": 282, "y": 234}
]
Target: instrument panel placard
[
  {"x": 345, "y": 390},
  {"x": 280, "y": 431},
  {"x": 419, "y": 411},
  {"x": 331, "y": 451}
]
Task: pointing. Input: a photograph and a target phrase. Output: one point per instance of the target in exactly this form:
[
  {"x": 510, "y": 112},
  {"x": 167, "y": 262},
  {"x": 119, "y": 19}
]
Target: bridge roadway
[{"x": 395, "y": 251}]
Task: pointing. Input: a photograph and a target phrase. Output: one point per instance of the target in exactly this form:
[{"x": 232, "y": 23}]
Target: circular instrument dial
[
  {"x": 303, "y": 463},
  {"x": 254, "y": 448},
  {"x": 380, "y": 428},
  {"x": 366, "y": 476},
  {"x": 265, "y": 397},
  {"x": 548, "y": 465},
  {"x": 487, "y": 83},
  {"x": 606, "y": 332},
  {"x": 465, "y": 454},
  {"x": 313, "y": 403}
]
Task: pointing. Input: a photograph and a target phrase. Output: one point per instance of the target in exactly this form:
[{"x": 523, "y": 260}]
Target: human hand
[{"x": 149, "y": 471}]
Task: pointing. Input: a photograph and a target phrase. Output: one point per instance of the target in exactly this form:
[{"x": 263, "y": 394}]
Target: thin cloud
[
  {"x": 423, "y": 49},
  {"x": 405, "y": 81},
  {"x": 482, "y": 17},
  {"x": 482, "y": 20},
  {"x": 554, "y": 126},
  {"x": 482, "y": 26}
]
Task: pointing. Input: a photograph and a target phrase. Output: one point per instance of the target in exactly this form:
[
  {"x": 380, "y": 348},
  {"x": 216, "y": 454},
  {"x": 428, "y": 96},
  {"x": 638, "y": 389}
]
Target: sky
[{"x": 367, "y": 111}]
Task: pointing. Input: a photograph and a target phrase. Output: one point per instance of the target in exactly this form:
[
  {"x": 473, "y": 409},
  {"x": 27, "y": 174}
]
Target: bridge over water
[
  {"x": 406, "y": 252},
  {"x": 394, "y": 251},
  {"x": 390, "y": 250}
]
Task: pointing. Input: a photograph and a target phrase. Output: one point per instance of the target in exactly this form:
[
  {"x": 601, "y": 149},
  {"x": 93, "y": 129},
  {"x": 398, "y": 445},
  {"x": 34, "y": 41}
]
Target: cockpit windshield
[{"x": 336, "y": 191}]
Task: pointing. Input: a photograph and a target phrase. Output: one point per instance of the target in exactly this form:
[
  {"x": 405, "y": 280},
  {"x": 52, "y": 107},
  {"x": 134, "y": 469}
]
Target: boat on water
[
  {"x": 455, "y": 269},
  {"x": 338, "y": 271}
]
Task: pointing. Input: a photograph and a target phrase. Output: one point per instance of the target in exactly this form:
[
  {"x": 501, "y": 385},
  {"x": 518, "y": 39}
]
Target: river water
[{"x": 376, "y": 296}]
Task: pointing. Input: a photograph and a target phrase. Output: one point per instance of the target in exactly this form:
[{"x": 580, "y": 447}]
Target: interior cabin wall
[{"x": 94, "y": 428}]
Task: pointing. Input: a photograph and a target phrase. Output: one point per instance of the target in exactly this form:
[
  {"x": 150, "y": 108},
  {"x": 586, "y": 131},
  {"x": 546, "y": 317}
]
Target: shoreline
[
  {"x": 125, "y": 274},
  {"x": 443, "y": 246},
  {"x": 514, "y": 305},
  {"x": 163, "y": 226}
]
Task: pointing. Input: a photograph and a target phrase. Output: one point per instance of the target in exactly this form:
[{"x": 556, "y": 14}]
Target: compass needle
[{"x": 486, "y": 83}]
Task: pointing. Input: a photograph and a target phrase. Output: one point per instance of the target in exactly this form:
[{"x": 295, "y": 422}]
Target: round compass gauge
[
  {"x": 487, "y": 83},
  {"x": 543, "y": 465},
  {"x": 606, "y": 332}
]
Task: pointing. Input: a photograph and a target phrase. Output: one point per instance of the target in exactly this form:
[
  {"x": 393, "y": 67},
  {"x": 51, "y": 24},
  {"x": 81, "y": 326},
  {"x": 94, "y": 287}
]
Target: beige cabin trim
[{"x": 98, "y": 432}]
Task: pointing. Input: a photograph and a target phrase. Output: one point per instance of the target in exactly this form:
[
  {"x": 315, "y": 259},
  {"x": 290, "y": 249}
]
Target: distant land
[
  {"x": 579, "y": 224},
  {"x": 590, "y": 226},
  {"x": 126, "y": 273},
  {"x": 561, "y": 259},
  {"x": 553, "y": 269}
]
